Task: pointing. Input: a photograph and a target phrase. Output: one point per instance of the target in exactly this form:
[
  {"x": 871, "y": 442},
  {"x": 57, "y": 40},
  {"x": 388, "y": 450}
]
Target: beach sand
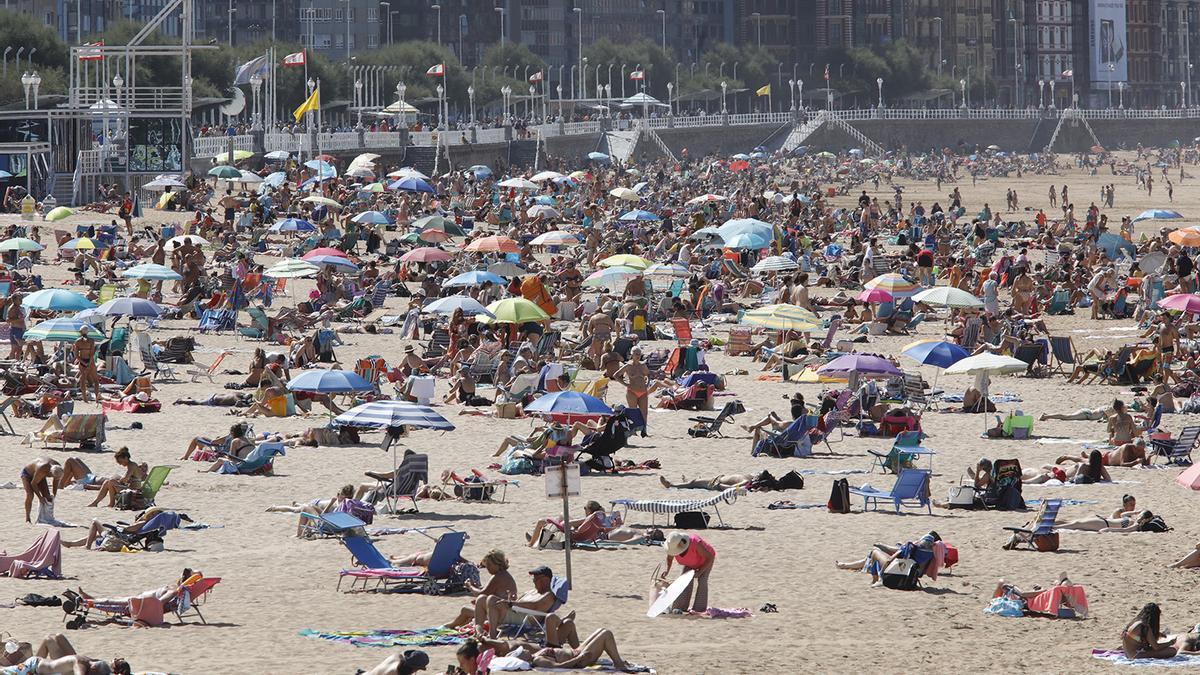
[{"x": 828, "y": 621}]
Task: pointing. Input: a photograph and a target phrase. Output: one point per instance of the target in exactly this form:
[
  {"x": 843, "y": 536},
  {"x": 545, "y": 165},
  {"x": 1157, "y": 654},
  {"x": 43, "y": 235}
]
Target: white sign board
[
  {"x": 554, "y": 481},
  {"x": 1109, "y": 42}
]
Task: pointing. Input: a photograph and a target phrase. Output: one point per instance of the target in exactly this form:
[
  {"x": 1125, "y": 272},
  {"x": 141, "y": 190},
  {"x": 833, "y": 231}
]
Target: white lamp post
[
  {"x": 400, "y": 89},
  {"x": 255, "y": 86},
  {"x": 471, "y": 98},
  {"x": 1121, "y": 94},
  {"x": 1041, "y": 91},
  {"x": 724, "y": 87},
  {"x": 962, "y": 84},
  {"x": 879, "y": 83},
  {"x": 441, "y": 120},
  {"x": 1052, "y": 94},
  {"x": 117, "y": 81},
  {"x": 800, "y": 92},
  {"x": 504, "y": 92},
  {"x": 27, "y": 84},
  {"x": 358, "y": 85},
  {"x": 1182, "y": 94},
  {"x": 560, "y": 106},
  {"x": 670, "y": 99},
  {"x": 792, "y": 92}
]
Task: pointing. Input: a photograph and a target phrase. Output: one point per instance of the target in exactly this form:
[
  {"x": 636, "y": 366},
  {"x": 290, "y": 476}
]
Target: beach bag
[
  {"x": 691, "y": 520},
  {"x": 839, "y": 499},
  {"x": 1006, "y": 606},
  {"x": 361, "y": 510},
  {"x": 790, "y": 481},
  {"x": 961, "y": 497},
  {"x": 1155, "y": 524},
  {"x": 515, "y": 466},
  {"x": 1045, "y": 542},
  {"x": 902, "y": 574}
]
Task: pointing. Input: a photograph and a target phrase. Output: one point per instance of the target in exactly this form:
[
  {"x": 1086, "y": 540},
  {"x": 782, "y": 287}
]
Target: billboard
[
  {"x": 1109, "y": 42},
  {"x": 155, "y": 144}
]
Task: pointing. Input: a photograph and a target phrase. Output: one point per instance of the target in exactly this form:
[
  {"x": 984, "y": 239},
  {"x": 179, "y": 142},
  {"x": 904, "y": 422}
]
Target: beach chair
[
  {"x": 970, "y": 334},
  {"x": 374, "y": 566},
  {"x": 200, "y": 370},
  {"x": 439, "y": 343},
  {"x": 1059, "y": 302},
  {"x": 107, "y": 292},
  {"x": 332, "y": 524},
  {"x": 1019, "y": 427},
  {"x": 80, "y": 428},
  {"x": 217, "y": 320},
  {"x": 1062, "y": 348},
  {"x": 905, "y": 450},
  {"x": 533, "y": 621},
  {"x": 837, "y": 417},
  {"x": 914, "y": 392},
  {"x": 657, "y": 507},
  {"x": 792, "y": 441},
  {"x": 683, "y": 330},
  {"x": 144, "y": 609},
  {"x": 260, "y": 325},
  {"x": 475, "y": 487},
  {"x": 260, "y": 461},
  {"x": 407, "y": 480},
  {"x": 739, "y": 341},
  {"x": 1031, "y": 353},
  {"x": 911, "y": 489},
  {"x": 151, "y": 364},
  {"x": 1177, "y": 450},
  {"x": 155, "y": 478},
  {"x": 6, "y": 405},
  {"x": 1042, "y": 536},
  {"x": 711, "y": 426},
  {"x": 1117, "y": 370}
]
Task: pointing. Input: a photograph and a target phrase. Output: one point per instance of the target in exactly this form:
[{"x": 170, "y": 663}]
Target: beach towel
[
  {"x": 785, "y": 504},
  {"x": 1034, "y": 503},
  {"x": 1002, "y": 397},
  {"x": 724, "y": 613},
  {"x": 1066, "y": 441},
  {"x": 1059, "y": 483},
  {"x": 150, "y": 406},
  {"x": 421, "y": 637},
  {"x": 1117, "y": 656},
  {"x": 44, "y": 556},
  {"x": 1048, "y": 601}
]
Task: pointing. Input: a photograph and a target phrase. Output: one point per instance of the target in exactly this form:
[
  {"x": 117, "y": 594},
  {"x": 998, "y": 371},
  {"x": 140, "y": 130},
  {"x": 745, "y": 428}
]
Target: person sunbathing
[
  {"x": 1143, "y": 637},
  {"x": 1125, "y": 523},
  {"x": 315, "y": 507},
  {"x": 595, "y": 525},
  {"x": 1003, "y": 588},
  {"x": 232, "y": 442},
  {"x": 1083, "y": 471},
  {"x": 881, "y": 555},
  {"x": 498, "y": 611},
  {"x": 101, "y": 537},
  {"x": 221, "y": 400},
  {"x": 600, "y": 643},
  {"x": 54, "y": 654},
  {"x": 719, "y": 483},
  {"x": 501, "y": 585},
  {"x": 135, "y": 473},
  {"x": 1128, "y": 455},
  {"x": 1082, "y": 414},
  {"x": 407, "y": 663}
]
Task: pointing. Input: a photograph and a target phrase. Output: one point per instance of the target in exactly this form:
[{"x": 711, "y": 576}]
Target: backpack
[
  {"x": 790, "y": 481},
  {"x": 839, "y": 498},
  {"x": 1155, "y": 524},
  {"x": 691, "y": 520},
  {"x": 902, "y": 574}
]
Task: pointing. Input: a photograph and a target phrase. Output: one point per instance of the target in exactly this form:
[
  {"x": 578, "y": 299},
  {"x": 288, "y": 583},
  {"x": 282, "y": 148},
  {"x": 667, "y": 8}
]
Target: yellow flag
[
  {"x": 764, "y": 91},
  {"x": 311, "y": 105}
]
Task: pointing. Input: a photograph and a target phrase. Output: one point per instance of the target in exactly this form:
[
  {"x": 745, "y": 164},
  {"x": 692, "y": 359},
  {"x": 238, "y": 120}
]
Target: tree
[
  {"x": 49, "y": 60},
  {"x": 658, "y": 66}
]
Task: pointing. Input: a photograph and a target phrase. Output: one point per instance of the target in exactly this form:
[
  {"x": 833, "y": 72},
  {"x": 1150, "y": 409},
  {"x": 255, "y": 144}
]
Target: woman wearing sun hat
[{"x": 691, "y": 553}]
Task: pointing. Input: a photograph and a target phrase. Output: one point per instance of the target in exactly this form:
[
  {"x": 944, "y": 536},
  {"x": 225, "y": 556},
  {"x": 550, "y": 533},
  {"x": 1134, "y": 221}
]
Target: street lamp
[
  {"x": 579, "y": 13},
  {"x": 504, "y": 92},
  {"x": 879, "y": 83},
  {"x": 400, "y": 89},
  {"x": 670, "y": 101},
  {"x": 232, "y": 9},
  {"x": 724, "y": 86},
  {"x": 792, "y": 92},
  {"x": 500, "y": 11},
  {"x": 387, "y": 11},
  {"x": 1041, "y": 89},
  {"x": 559, "y": 89},
  {"x": 358, "y": 85},
  {"x": 1111, "y": 68},
  {"x": 1052, "y": 94},
  {"x": 962, "y": 84},
  {"x": 1121, "y": 93},
  {"x": 27, "y": 84},
  {"x": 800, "y": 92},
  {"x": 117, "y": 81},
  {"x": 471, "y": 98},
  {"x": 1182, "y": 94},
  {"x": 255, "y": 86},
  {"x": 529, "y": 105}
]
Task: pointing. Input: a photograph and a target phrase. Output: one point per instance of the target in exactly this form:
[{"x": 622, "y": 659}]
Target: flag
[
  {"x": 259, "y": 66},
  {"x": 1069, "y": 73},
  {"x": 296, "y": 59},
  {"x": 763, "y": 91},
  {"x": 311, "y": 105},
  {"x": 637, "y": 75},
  {"x": 826, "y": 72},
  {"x": 91, "y": 54},
  {"x": 438, "y": 70},
  {"x": 536, "y": 77}
]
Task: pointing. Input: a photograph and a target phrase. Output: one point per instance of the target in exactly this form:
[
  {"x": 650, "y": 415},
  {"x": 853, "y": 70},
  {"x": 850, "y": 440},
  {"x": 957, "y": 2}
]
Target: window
[
  {"x": 337, "y": 14},
  {"x": 372, "y": 40}
]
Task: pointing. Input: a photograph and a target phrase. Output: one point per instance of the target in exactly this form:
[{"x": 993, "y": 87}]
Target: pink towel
[
  {"x": 1048, "y": 601},
  {"x": 146, "y": 609},
  {"x": 45, "y": 553},
  {"x": 939, "y": 558}
]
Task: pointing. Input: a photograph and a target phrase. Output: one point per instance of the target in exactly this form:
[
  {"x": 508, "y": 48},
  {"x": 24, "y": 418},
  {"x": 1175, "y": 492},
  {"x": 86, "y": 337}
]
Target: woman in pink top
[{"x": 692, "y": 553}]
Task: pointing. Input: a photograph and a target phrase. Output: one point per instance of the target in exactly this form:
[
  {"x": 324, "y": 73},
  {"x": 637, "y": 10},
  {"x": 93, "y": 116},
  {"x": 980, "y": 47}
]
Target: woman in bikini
[
  {"x": 1123, "y": 523},
  {"x": 1143, "y": 638},
  {"x": 315, "y": 507},
  {"x": 635, "y": 375},
  {"x": 232, "y": 442},
  {"x": 132, "y": 480}
]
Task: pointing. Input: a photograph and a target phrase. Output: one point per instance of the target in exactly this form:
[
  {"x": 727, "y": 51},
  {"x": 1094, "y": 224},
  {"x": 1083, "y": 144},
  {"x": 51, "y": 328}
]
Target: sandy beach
[{"x": 828, "y": 621}]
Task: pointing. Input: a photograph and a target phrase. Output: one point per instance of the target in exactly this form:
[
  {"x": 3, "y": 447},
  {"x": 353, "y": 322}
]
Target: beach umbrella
[
  {"x": 542, "y": 211},
  {"x": 20, "y": 244},
  {"x": 874, "y": 295},
  {"x": 474, "y": 278},
  {"x": 151, "y": 272},
  {"x": 333, "y": 261},
  {"x": 750, "y": 241},
  {"x": 506, "y": 269},
  {"x": 581, "y": 176},
  {"x": 325, "y": 250},
  {"x": 58, "y": 213},
  {"x": 638, "y": 214},
  {"x": 775, "y": 263},
  {"x": 62, "y": 330},
  {"x": 131, "y": 307},
  {"x": 782, "y": 317},
  {"x": 436, "y": 222},
  {"x": 291, "y": 268},
  {"x": 293, "y": 225},
  {"x": 249, "y": 177},
  {"x": 555, "y": 238},
  {"x": 1184, "y": 302},
  {"x": 278, "y": 155},
  {"x": 329, "y": 382},
  {"x": 411, "y": 184},
  {"x": 1111, "y": 243},
  {"x": 364, "y": 159},
  {"x": 324, "y": 201},
  {"x": 432, "y": 236},
  {"x": 372, "y": 218},
  {"x": 625, "y": 260},
  {"x": 870, "y": 365},
  {"x": 238, "y": 155},
  {"x": 481, "y": 171},
  {"x": 493, "y": 244},
  {"x": 543, "y": 176},
  {"x": 162, "y": 183},
  {"x": 610, "y": 276},
  {"x": 1157, "y": 214},
  {"x": 407, "y": 171},
  {"x": 385, "y": 414},
  {"x": 81, "y": 244},
  {"x": 625, "y": 194},
  {"x": 225, "y": 172},
  {"x": 673, "y": 270},
  {"x": 56, "y": 300},
  {"x": 704, "y": 199},
  {"x": 320, "y": 164},
  {"x": 983, "y": 366},
  {"x": 1187, "y": 236},
  {"x": 937, "y": 353},
  {"x": 175, "y": 242},
  {"x": 598, "y": 157},
  {"x": 426, "y": 254},
  {"x": 744, "y": 225},
  {"x": 893, "y": 283},
  {"x": 947, "y": 296},
  {"x": 373, "y": 187},
  {"x": 360, "y": 172},
  {"x": 516, "y": 310},
  {"x": 544, "y": 199},
  {"x": 519, "y": 184},
  {"x": 449, "y": 304},
  {"x": 568, "y": 405},
  {"x": 275, "y": 179}
]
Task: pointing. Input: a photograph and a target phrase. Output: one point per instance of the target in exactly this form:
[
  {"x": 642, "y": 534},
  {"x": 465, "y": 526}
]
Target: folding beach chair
[
  {"x": 260, "y": 325},
  {"x": 905, "y": 450},
  {"x": 970, "y": 335},
  {"x": 374, "y": 566},
  {"x": 1031, "y": 353},
  {"x": 200, "y": 370},
  {"x": 1042, "y": 537},
  {"x": 792, "y": 441},
  {"x": 144, "y": 609},
  {"x": 475, "y": 487},
  {"x": 80, "y": 428},
  {"x": 155, "y": 478},
  {"x": 150, "y": 363},
  {"x": 407, "y": 480},
  {"x": 683, "y": 330},
  {"x": 739, "y": 341},
  {"x": 1062, "y": 348},
  {"x": 533, "y": 621},
  {"x": 914, "y": 392},
  {"x": 5, "y": 406},
  {"x": 1177, "y": 450},
  {"x": 217, "y": 320},
  {"x": 332, "y": 524},
  {"x": 260, "y": 461},
  {"x": 911, "y": 489},
  {"x": 1059, "y": 302},
  {"x": 711, "y": 426}
]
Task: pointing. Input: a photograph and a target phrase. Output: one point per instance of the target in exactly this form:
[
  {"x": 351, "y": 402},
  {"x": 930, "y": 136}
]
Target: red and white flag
[
  {"x": 91, "y": 54},
  {"x": 637, "y": 75},
  {"x": 826, "y": 72},
  {"x": 296, "y": 59},
  {"x": 438, "y": 70},
  {"x": 536, "y": 77}
]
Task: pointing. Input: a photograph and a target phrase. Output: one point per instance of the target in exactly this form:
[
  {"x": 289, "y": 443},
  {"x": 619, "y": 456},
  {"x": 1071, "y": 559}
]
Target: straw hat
[{"x": 677, "y": 543}]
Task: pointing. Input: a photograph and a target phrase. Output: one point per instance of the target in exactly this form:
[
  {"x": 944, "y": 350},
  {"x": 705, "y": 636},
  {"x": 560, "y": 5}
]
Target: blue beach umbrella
[
  {"x": 411, "y": 184},
  {"x": 569, "y": 404},
  {"x": 293, "y": 225},
  {"x": 57, "y": 300},
  {"x": 131, "y": 307},
  {"x": 1157, "y": 214},
  {"x": 384, "y": 414},
  {"x": 329, "y": 382},
  {"x": 372, "y": 218},
  {"x": 938, "y": 353},
  {"x": 475, "y": 278},
  {"x": 638, "y": 214}
]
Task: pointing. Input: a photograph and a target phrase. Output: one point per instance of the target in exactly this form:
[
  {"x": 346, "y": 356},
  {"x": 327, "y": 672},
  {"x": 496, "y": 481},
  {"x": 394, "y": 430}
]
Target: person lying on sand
[
  {"x": 588, "y": 653},
  {"x": 1128, "y": 455},
  {"x": 1081, "y": 471},
  {"x": 719, "y": 483},
  {"x": 595, "y": 525},
  {"x": 53, "y": 654},
  {"x": 1081, "y": 415},
  {"x": 406, "y": 663},
  {"x": 1004, "y": 588},
  {"x": 315, "y": 507},
  {"x": 881, "y": 555},
  {"x": 221, "y": 400},
  {"x": 1125, "y": 523}
]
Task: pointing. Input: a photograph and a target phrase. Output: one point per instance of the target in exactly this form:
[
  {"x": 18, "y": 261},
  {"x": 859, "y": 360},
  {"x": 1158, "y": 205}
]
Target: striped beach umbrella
[
  {"x": 151, "y": 272},
  {"x": 291, "y": 268},
  {"x": 610, "y": 276},
  {"x": 893, "y": 283},
  {"x": 555, "y": 238},
  {"x": 426, "y": 254},
  {"x": 129, "y": 306},
  {"x": 782, "y": 317},
  {"x": 384, "y": 414},
  {"x": 493, "y": 244},
  {"x": 474, "y": 278},
  {"x": 62, "y": 330},
  {"x": 452, "y": 303},
  {"x": 625, "y": 260},
  {"x": 775, "y": 263},
  {"x": 675, "y": 270},
  {"x": 947, "y": 296},
  {"x": 20, "y": 244}
]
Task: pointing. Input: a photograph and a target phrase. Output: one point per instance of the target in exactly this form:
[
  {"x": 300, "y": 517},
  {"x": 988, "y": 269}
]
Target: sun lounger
[
  {"x": 259, "y": 461},
  {"x": 200, "y": 370},
  {"x": 406, "y": 481},
  {"x": 1177, "y": 450},
  {"x": 903, "y": 454},
  {"x": 657, "y": 507},
  {"x": 332, "y": 524},
  {"x": 711, "y": 426},
  {"x": 79, "y": 428},
  {"x": 1042, "y": 537},
  {"x": 145, "y": 609},
  {"x": 912, "y": 485},
  {"x": 374, "y": 566}
]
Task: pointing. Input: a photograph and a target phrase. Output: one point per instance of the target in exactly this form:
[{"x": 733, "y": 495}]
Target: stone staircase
[
  {"x": 801, "y": 133},
  {"x": 523, "y": 154},
  {"x": 661, "y": 145},
  {"x": 423, "y": 158},
  {"x": 620, "y": 145},
  {"x": 1043, "y": 135},
  {"x": 1070, "y": 119}
]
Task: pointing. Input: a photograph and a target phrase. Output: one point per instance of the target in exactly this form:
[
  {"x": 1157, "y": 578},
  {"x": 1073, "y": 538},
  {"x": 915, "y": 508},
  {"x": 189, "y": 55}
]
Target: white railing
[
  {"x": 89, "y": 162},
  {"x": 211, "y": 146},
  {"x": 382, "y": 139},
  {"x": 576, "y": 128},
  {"x": 759, "y": 118},
  {"x": 497, "y": 135}
]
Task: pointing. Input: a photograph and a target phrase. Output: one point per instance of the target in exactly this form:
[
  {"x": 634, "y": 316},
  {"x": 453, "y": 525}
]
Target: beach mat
[
  {"x": 1118, "y": 657},
  {"x": 427, "y": 637}
]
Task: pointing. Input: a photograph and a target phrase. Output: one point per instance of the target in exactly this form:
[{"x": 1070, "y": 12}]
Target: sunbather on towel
[
  {"x": 222, "y": 400},
  {"x": 19, "y": 658},
  {"x": 35, "y": 480},
  {"x": 720, "y": 482},
  {"x": 236, "y": 440},
  {"x": 1128, "y": 455},
  {"x": 1143, "y": 637},
  {"x": 164, "y": 594},
  {"x": 595, "y": 525},
  {"x": 1004, "y": 588},
  {"x": 881, "y": 555},
  {"x": 598, "y": 644},
  {"x": 501, "y": 585},
  {"x": 315, "y": 507},
  {"x": 1091, "y": 471},
  {"x": 1081, "y": 415},
  {"x": 1189, "y": 561},
  {"x": 407, "y": 663},
  {"x": 1124, "y": 524}
]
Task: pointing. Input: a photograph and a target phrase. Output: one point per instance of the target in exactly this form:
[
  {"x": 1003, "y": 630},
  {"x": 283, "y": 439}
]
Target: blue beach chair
[
  {"x": 433, "y": 580},
  {"x": 911, "y": 489}
]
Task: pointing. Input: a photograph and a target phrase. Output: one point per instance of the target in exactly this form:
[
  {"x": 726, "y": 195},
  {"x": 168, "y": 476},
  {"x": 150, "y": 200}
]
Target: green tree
[
  {"x": 49, "y": 60},
  {"x": 659, "y": 67}
]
